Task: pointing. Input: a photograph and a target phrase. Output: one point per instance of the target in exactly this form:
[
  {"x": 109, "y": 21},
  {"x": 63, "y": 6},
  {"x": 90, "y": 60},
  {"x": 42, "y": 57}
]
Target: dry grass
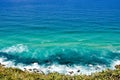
[{"x": 17, "y": 74}]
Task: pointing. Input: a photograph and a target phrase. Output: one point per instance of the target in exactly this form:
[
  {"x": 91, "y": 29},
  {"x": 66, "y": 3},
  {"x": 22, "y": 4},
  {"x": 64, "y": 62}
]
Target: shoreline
[
  {"x": 35, "y": 74},
  {"x": 61, "y": 69},
  {"x": 74, "y": 70},
  {"x": 17, "y": 74}
]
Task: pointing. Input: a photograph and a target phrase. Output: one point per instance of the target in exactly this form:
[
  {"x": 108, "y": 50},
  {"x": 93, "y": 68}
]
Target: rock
[
  {"x": 36, "y": 70},
  {"x": 97, "y": 68},
  {"x": 49, "y": 67},
  {"x": 2, "y": 65},
  {"x": 30, "y": 69},
  {"x": 71, "y": 72},
  {"x": 42, "y": 72},
  {"x": 78, "y": 70},
  {"x": 117, "y": 66}
]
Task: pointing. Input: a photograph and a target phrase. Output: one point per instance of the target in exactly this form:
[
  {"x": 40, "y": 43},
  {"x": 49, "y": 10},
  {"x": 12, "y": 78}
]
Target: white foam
[
  {"x": 19, "y": 48},
  {"x": 115, "y": 62},
  {"x": 63, "y": 69},
  {"x": 6, "y": 63}
]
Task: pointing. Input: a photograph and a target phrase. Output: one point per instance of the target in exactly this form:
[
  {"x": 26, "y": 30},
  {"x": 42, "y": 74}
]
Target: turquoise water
[{"x": 60, "y": 33}]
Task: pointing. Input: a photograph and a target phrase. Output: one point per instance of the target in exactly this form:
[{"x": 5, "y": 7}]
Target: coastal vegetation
[{"x": 17, "y": 74}]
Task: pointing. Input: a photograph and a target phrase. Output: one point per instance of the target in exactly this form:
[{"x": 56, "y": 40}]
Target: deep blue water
[{"x": 60, "y": 32}]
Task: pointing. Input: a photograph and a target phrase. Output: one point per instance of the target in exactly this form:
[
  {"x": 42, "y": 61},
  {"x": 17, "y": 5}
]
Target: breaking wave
[
  {"x": 62, "y": 60},
  {"x": 19, "y": 48}
]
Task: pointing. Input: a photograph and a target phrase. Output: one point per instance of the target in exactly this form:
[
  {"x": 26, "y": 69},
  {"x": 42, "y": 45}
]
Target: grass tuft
[{"x": 17, "y": 74}]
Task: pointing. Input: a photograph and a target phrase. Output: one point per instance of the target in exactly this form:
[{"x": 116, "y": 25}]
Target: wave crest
[{"x": 19, "y": 48}]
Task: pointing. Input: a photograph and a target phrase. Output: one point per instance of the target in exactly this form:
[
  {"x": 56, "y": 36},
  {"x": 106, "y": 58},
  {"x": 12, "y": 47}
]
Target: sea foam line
[{"x": 63, "y": 69}]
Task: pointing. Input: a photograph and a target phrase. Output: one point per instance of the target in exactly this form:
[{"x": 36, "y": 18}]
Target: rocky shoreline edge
[{"x": 35, "y": 74}]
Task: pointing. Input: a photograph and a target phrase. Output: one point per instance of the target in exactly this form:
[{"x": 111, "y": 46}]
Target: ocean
[{"x": 60, "y": 35}]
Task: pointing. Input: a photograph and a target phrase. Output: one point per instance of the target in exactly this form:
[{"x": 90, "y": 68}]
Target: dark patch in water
[{"x": 67, "y": 57}]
